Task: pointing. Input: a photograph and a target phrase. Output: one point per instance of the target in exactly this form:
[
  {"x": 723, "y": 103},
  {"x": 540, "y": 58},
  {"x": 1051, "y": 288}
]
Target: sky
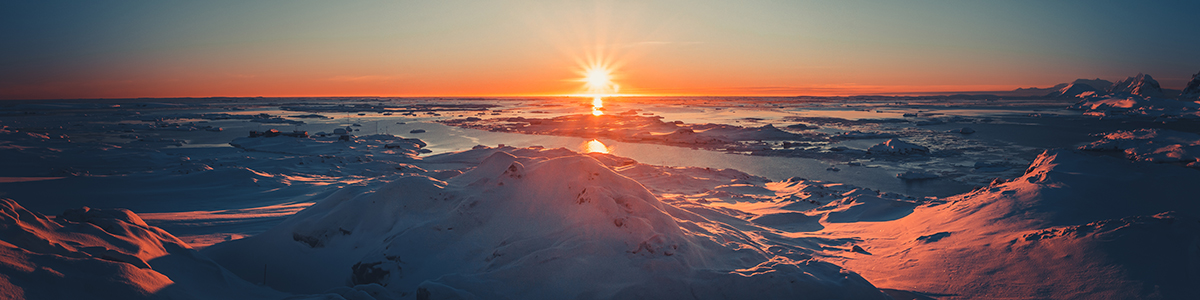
[{"x": 129, "y": 49}]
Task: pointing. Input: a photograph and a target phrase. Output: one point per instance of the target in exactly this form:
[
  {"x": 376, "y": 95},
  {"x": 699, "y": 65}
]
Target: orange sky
[{"x": 503, "y": 48}]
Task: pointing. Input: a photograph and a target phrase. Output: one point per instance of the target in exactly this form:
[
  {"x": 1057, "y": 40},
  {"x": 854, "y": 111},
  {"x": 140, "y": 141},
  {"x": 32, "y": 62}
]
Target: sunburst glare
[{"x": 598, "y": 81}]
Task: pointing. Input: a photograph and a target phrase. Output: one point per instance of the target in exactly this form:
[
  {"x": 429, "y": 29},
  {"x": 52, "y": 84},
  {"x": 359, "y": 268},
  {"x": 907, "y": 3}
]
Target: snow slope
[
  {"x": 106, "y": 254},
  {"x": 1075, "y": 226},
  {"x": 540, "y": 225}
]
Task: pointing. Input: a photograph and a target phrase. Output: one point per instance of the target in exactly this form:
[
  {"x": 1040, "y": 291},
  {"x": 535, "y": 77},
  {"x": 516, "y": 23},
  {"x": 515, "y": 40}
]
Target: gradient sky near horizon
[{"x": 125, "y": 49}]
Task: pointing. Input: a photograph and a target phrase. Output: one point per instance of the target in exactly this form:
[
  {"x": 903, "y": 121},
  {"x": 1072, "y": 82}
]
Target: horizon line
[{"x": 885, "y": 94}]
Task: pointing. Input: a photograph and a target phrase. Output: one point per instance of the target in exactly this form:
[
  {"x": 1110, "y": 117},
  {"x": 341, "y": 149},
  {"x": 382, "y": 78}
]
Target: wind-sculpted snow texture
[
  {"x": 1075, "y": 226},
  {"x": 106, "y": 254},
  {"x": 527, "y": 227}
]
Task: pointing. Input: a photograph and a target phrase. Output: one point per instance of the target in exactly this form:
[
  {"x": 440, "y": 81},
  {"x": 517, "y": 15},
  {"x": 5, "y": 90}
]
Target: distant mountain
[
  {"x": 1140, "y": 85},
  {"x": 1082, "y": 88},
  {"x": 1192, "y": 91},
  {"x": 1075, "y": 91},
  {"x": 1030, "y": 91},
  {"x": 1098, "y": 84}
]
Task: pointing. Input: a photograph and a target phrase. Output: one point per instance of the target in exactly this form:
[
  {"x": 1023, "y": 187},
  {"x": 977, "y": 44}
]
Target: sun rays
[{"x": 598, "y": 81}]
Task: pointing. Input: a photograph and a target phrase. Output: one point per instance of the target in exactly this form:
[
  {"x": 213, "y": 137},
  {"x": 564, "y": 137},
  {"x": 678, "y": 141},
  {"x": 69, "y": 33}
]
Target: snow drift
[{"x": 105, "y": 254}]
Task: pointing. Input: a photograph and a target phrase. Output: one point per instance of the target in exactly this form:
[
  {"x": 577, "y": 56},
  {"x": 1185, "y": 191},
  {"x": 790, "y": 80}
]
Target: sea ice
[
  {"x": 897, "y": 147},
  {"x": 1155, "y": 145}
]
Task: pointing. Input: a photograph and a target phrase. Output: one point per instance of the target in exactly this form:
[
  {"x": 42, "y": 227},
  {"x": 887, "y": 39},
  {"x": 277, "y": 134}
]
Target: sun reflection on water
[
  {"x": 594, "y": 146},
  {"x": 597, "y": 104}
]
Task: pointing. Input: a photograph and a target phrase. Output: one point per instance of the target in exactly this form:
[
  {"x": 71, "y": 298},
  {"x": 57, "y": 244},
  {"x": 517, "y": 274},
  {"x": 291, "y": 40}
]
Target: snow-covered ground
[{"x": 700, "y": 197}]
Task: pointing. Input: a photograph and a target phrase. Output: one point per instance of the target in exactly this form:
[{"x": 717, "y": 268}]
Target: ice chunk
[
  {"x": 1156, "y": 145},
  {"x": 897, "y": 147}
]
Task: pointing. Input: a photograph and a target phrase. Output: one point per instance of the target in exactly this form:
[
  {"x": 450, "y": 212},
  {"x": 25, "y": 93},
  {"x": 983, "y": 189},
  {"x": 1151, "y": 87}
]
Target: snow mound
[
  {"x": 1074, "y": 225},
  {"x": 525, "y": 227},
  {"x": 1155, "y": 145},
  {"x": 897, "y": 147},
  {"x": 106, "y": 254}
]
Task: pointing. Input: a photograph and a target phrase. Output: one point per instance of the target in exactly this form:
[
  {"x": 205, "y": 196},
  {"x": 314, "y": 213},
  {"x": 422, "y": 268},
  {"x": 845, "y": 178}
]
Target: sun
[{"x": 597, "y": 79}]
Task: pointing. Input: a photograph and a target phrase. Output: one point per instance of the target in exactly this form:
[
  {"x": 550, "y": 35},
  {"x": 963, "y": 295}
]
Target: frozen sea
[{"x": 827, "y": 178}]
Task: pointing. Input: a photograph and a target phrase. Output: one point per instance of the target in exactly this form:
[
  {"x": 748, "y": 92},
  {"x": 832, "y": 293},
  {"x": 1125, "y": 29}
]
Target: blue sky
[{"x": 74, "y": 49}]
